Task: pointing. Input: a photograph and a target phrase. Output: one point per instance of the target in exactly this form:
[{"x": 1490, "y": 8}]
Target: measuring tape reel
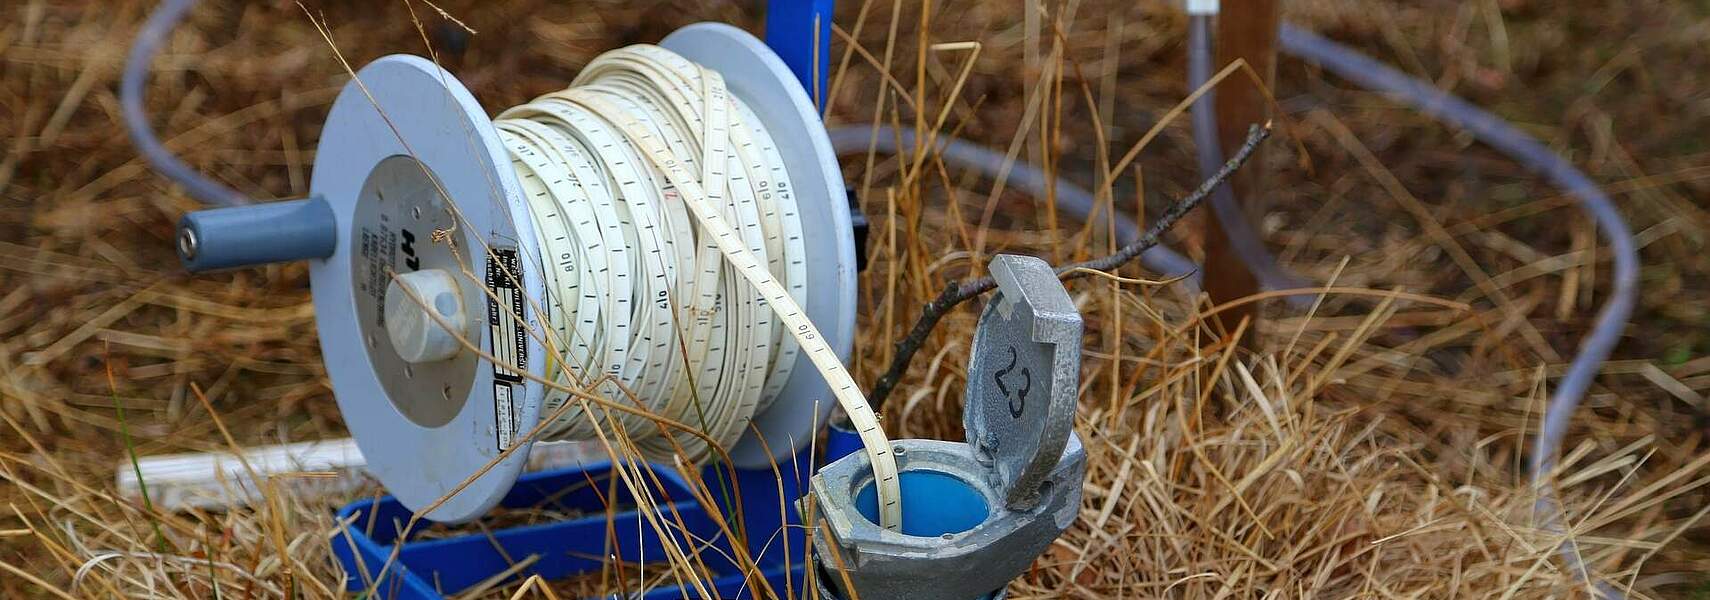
[{"x": 429, "y": 412}]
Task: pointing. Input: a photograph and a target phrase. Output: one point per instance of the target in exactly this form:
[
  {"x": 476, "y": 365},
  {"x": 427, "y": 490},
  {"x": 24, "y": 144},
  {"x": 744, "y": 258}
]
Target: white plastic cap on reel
[
  {"x": 418, "y": 335},
  {"x": 428, "y": 414}
]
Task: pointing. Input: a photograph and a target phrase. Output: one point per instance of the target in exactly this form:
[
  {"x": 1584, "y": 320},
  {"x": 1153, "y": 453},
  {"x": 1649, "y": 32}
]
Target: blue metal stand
[
  {"x": 800, "y": 32},
  {"x": 431, "y": 569}
]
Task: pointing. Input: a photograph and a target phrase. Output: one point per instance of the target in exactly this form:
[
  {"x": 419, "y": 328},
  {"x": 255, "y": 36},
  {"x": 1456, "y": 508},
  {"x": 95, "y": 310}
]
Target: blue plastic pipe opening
[{"x": 934, "y": 503}]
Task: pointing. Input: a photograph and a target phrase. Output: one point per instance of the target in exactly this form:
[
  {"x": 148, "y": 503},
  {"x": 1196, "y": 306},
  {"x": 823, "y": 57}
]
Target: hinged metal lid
[{"x": 1023, "y": 377}]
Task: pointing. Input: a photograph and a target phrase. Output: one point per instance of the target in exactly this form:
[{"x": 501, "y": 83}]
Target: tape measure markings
[{"x": 654, "y": 181}]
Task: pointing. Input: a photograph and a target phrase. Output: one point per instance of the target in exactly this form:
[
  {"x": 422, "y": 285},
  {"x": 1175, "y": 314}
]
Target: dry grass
[{"x": 1373, "y": 448}]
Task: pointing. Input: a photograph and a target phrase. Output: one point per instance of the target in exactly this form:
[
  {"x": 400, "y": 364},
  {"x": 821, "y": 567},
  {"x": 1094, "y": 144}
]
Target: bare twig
[{"x": 958, "y": 292}]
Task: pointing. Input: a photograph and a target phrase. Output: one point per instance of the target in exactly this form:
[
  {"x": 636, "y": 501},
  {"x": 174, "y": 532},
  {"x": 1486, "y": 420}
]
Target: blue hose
[
  {"x": 1498, "y": 134},
  {"x": 148, "y": 42}
]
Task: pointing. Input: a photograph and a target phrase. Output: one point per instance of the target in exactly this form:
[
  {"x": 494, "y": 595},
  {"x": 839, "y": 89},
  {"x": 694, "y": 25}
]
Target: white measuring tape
[{"x": 673, "y": 254}]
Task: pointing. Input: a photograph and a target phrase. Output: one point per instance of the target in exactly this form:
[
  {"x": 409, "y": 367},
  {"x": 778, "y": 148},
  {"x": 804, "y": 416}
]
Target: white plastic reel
[{"x": 407, "y": 135}]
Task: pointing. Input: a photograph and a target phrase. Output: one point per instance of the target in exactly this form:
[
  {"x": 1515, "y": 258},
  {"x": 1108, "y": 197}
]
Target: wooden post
[{"x": 1246, "y": 29}]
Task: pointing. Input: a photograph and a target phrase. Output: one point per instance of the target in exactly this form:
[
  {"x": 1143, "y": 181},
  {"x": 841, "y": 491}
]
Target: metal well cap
[{"x": 1023, "y": 378}]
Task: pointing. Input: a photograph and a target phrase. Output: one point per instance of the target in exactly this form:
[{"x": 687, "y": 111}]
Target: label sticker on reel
[{"x": 509, "y": 338}]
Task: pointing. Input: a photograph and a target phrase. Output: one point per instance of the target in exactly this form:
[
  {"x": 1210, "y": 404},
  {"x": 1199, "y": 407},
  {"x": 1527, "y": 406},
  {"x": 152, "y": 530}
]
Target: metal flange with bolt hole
[{"x": 975, "y": 514}]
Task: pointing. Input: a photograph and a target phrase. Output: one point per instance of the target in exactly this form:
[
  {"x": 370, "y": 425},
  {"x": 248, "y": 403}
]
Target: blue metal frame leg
[
  {"x": 800, "y": 32},
  {"x": 431, "y": 567}
]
